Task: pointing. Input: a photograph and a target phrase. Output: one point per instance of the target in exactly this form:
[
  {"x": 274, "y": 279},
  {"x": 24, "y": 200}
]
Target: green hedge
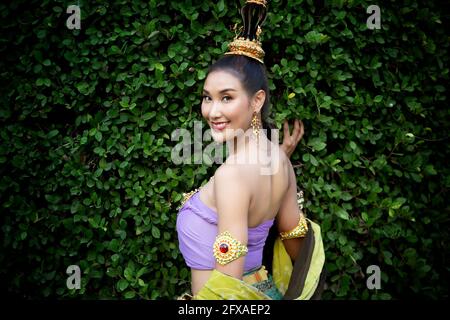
[{"x": 87, "y": 116}]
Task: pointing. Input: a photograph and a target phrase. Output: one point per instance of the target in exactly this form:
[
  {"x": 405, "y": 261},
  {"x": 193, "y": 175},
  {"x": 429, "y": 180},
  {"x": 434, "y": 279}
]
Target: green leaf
[
  {"x": 189, "y": 82},
  {"x": 98, "y": 136},
  {"x": 201, "y": 74},
  {"x": 378, "y": 99},
  {"x": 341, "y": 213},
  {"x": 220, "y": 5},
  {"x": 317, "y": 144},
  {"x": 160, "y": 98},
  {"x": 149, "y": 115},
  {"x": 115, "y": 49},
  {"x": 83, "y": 87},
  {"x": 335, "y": 162},
  {"x": 391, "y": 212},
  {"x": 52, "y": 134},
  {"x": 122, "y": 285},
  {"x": 102, "y": 164},
  {"x": 129, "y": 274},
  {"x": 313, "y": 160},
  {"x": 365, "y": 216},
  {"x": 315, "y": 37},
  {"x": 429, "y": 169},
  {"x": 74, "y": 207},
  {"x": 397, "y": 203},
  {"x": 346, "y": 196},
  {"x": 159, "y": 66},
  {"x": 155, "y": 232}
]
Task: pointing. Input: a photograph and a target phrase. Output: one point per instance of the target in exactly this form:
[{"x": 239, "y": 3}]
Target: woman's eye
[{"x": 226, "y": 98}]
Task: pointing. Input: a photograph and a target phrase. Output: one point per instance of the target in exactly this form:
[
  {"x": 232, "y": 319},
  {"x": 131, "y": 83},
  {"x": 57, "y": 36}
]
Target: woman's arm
[
  {"x": 232, "y": 201},
  {"x": 289, "y": 214}
]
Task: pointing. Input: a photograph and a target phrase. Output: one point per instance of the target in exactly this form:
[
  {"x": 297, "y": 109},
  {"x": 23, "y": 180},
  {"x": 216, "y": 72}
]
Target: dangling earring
[{"x": 256, "y": 125}]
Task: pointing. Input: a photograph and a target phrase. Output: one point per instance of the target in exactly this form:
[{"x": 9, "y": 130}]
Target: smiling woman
[
  {"x": 230, "y": 238},
  {"x": 226, "y": 103},
  {"x": 223, "y": 226},
  {"x": 235, "y": 91}
]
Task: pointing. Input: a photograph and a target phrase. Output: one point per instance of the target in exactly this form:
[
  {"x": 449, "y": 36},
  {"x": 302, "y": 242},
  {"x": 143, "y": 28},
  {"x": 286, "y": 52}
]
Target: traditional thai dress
[{"x": 197, "y": 230}]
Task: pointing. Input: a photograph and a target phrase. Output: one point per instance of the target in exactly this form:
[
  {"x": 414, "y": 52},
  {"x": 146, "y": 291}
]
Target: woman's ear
[{"x": 258, "y": 100}]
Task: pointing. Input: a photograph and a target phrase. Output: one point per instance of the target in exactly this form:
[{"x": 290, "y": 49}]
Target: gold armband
[
  {"x": 298, "y": 232},
  {"x": 226, "y": 248},
  {"x": 300, "y": 199}
]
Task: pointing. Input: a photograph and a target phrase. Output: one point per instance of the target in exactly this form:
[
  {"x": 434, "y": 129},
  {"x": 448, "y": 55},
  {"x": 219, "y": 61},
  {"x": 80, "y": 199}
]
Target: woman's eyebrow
[{"x": 221, "y": 91}]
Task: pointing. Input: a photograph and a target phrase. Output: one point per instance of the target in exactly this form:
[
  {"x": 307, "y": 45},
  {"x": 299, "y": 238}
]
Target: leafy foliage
[{"x": 87, "y": 116}]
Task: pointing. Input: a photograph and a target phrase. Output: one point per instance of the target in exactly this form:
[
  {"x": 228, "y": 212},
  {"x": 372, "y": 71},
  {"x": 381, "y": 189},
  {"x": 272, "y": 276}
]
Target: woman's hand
[{"x": 290, "y": 141}]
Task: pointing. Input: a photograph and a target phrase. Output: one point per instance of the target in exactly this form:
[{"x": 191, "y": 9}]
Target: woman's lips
[{"x": 219, "y": 126}]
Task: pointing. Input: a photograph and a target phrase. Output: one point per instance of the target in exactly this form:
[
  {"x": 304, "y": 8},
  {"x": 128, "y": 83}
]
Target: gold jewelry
[
  {"x": 185, "y": 296},
  {"x": 300, "y": 199},
  {"x": 226, "y": 248},
  {"x": 247, "y": 42},
  {"x": 249, "y": 48},
  {"x": 256, "y": 126},
  {"x": 186, "y": 197},
  {"x": 299, "y": 231},
  {"x": 261, "y": 2}
]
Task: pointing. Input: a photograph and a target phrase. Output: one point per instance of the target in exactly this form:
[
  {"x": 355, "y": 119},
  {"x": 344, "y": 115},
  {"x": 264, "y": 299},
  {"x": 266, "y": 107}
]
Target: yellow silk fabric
[{"x": 224, "y": 287}]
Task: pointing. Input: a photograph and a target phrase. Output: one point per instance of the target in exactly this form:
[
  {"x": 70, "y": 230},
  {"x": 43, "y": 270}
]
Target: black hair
[{"x": 253, "y": 77}]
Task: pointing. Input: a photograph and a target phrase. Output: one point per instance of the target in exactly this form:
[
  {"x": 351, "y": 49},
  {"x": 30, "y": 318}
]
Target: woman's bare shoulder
[
  {"x": 277, "y": 162},
  {"x": 236, "y": 169}
]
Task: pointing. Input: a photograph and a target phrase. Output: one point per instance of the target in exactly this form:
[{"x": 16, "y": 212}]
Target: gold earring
[{"x": 256, "y": 125}]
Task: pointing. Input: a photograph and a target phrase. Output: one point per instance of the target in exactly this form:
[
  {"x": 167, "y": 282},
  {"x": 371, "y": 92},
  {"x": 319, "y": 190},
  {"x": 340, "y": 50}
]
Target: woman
[{"x": 223, "y": 227}]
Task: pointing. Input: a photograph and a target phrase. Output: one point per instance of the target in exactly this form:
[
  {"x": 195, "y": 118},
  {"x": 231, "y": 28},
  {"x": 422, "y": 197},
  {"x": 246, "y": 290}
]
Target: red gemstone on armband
[{"x": 223, "y": 248}]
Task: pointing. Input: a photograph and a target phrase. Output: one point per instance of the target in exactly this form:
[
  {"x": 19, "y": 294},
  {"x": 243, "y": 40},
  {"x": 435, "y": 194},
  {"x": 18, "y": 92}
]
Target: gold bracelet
[
  {"x": 226, "y": 248},
  {"x": 299, "y": 231}
]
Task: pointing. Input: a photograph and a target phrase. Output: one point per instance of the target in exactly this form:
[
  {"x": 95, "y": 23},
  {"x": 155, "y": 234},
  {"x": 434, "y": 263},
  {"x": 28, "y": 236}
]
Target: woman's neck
[{"x": 248, "y": 149}]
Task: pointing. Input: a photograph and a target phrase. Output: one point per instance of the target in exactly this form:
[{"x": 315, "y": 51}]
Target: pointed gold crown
[{"x": 247, "y": 41}]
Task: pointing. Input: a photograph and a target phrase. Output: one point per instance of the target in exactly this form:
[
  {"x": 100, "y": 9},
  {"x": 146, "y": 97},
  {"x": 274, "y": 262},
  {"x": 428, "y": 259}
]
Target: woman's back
[
  {"x": 273, "y": 195},
  {"x": 268, "y": 186}
]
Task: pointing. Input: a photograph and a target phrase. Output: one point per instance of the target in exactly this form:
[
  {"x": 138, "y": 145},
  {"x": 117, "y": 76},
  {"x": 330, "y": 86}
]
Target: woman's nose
[{"x": 215, "y": 109}]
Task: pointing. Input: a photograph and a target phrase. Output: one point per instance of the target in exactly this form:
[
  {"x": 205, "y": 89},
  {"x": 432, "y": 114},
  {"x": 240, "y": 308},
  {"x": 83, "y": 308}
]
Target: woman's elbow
[{"x": 293, "y": 247}]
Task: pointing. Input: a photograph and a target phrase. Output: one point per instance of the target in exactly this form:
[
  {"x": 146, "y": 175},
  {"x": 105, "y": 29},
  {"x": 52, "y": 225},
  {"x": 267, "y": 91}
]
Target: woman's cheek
[{"x": 204, "y": 111}]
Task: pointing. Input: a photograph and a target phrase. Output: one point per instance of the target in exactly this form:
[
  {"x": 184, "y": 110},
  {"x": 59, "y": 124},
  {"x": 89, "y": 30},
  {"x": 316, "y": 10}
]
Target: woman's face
[{"x": 225, "y": 105}]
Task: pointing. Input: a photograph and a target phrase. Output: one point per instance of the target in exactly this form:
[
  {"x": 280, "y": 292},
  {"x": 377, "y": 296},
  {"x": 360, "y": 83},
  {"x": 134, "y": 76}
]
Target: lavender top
[{"x": 197, "y": 231}]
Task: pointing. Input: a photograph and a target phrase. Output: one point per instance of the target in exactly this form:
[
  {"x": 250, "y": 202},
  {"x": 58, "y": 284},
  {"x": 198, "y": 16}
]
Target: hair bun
[{"x": 247, "y": 42}]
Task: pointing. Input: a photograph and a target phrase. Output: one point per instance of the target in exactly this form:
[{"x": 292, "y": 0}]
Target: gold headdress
[{"x": 247, "y": 42}]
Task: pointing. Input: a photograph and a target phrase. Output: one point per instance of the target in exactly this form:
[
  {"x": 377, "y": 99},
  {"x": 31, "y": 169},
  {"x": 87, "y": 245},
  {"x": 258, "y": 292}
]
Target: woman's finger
[
  {"x": 286, "y": 129},
  {"x": 302, "y": 130},
  {"x": 297, "y": 131}
]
